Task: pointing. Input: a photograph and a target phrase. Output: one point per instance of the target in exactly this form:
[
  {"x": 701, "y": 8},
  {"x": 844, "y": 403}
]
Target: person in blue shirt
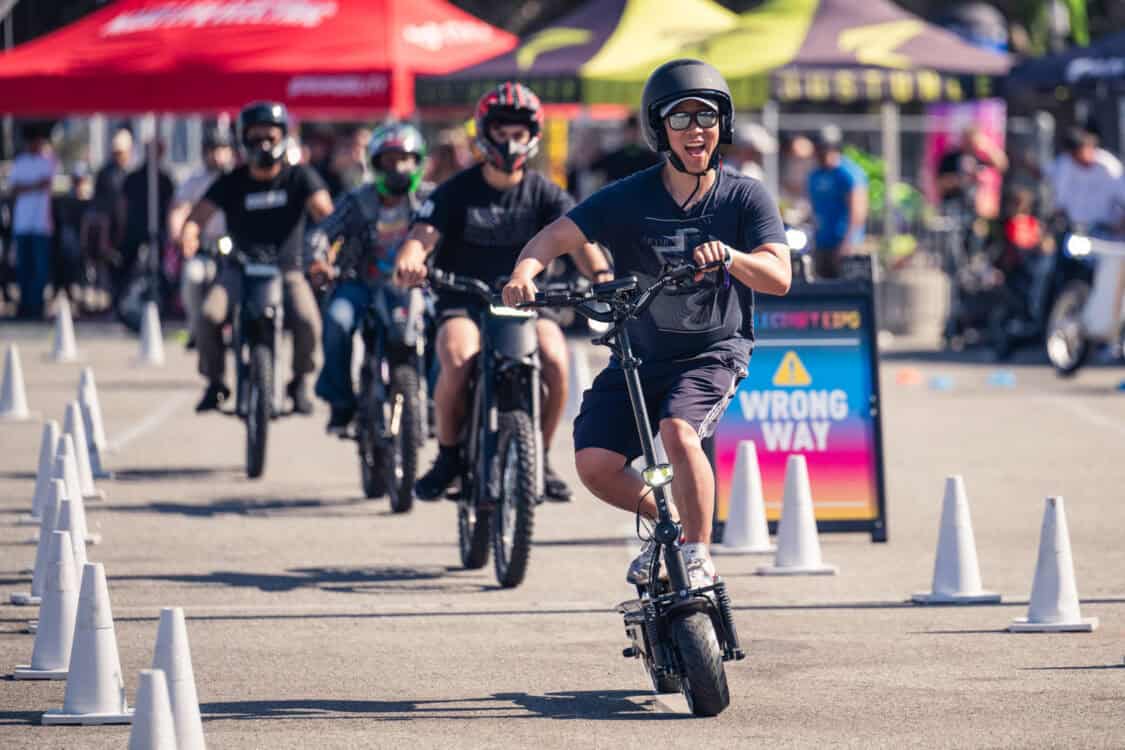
[
  {"x": 695, "y": 340},
  {"x": 838, "y": 194}
]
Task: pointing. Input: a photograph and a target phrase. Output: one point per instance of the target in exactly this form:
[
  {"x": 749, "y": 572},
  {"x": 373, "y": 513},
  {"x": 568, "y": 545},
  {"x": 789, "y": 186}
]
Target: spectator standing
[
  {"x": 968, "y": 176},
  {"x": 838, "y": 196},
  {"x": 72, "y": 214},
  {"x": 29, "y": 181},
  {"x": 107, "y": 192},
  {"x": 132, "y": 212}
]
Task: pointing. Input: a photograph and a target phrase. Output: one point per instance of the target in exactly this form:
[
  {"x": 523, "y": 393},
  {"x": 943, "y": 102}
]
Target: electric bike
[
  {"x": 501, "y": 443},
  {"x": 391, "y": 419},
  {"x": 682, "y": 635},
  {"x": 257, "y": 326}
]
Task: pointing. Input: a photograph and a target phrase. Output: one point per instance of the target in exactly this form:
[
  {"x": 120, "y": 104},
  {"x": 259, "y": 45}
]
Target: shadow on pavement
[
  {"x": 10, "y": 718},
  {"x": 584, "y": 704},
  {"x": 176, "y": 472},
  {"x": 242, "y": 506},
  {"x": 1089, "y": 667},
  {"x": 339, "y": 580},
  {"x": 17, "y": 475}
]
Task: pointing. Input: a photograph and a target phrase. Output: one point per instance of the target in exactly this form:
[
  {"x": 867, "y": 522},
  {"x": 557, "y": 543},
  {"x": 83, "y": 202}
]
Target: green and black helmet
[{"x": 403, "y": 137}]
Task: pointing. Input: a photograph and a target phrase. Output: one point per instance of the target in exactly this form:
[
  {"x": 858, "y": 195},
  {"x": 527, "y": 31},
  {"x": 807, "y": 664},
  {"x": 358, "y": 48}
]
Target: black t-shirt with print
[
  {"x": 484, "y": 229},
  {"x": 646, "y": 231},
  {"x": 266, "y": 218}
]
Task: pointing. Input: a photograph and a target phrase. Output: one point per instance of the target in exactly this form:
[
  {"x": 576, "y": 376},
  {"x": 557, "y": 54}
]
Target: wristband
[{"x": 729, "y": 260}]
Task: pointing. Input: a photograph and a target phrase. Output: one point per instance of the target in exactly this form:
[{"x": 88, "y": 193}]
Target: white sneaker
[
  {"x": 642, "y": 563},
  {"x": 700, "y": 570}
]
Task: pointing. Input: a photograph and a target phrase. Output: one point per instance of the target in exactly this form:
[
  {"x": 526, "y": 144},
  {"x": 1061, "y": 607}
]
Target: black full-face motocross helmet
[
  {"x": 681, "y": 79},
  {"x": 261, "y": 153}
]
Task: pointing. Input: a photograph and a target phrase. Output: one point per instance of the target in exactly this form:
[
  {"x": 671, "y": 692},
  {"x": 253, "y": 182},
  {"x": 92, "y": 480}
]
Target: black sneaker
[
  {"x": 213, "y": 398},
  {"x": 446, "y": 469},
  {"x": 340, "y": 420},
  {"x": 297, "y": 391},
  {"x": 554, "y": 488}
]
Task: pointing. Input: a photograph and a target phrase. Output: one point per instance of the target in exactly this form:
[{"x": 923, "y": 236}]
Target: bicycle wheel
[
  {"x": 704, "y": 680},
  {"x": 514, "y": 518},
  {"x": 472, "y": 534},
  {"x": 259, "y": 408},
  {"x": 400, "y": 459}
]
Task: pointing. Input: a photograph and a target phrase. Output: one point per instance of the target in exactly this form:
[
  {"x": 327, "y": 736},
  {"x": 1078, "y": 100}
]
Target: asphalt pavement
[{"x": 317, "y": 619}]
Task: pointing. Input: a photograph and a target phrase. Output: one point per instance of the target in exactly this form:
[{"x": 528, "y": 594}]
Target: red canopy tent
[{"x": 320, "y": 57}]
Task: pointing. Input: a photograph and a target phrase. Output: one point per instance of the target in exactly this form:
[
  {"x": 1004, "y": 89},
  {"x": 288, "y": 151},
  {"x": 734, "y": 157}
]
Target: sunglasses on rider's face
[{"x": 704, "y": 118}]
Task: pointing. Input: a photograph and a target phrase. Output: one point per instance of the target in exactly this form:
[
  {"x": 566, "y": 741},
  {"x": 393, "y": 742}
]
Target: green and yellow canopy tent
[
  {"x": 831, "y": 51},
  {"x": 597, "y": 40}
]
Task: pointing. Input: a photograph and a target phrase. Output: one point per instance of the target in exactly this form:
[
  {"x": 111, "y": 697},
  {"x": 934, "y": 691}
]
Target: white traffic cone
[
  {"x": 798, "y": 547},
  {"x": 64, "y": 350},
  {"x": 65, "y": 522},
  {"x": 92, "y": 421},
  {"x": 95, "y": 690},
  {"x": 746, "y": 531},
  {"x": 42, "y": 550},
  {"x": 43, "y": 474},
  {"x": 13, "y": 394},
  {"x": 956, "y": 572},
  {"x": 50, "y": 657},
  {"x": 578, "y": 380},
  {"x": 1054, "y": 594},
  {"x": 173, "y": 656},
  {"x": 152, "y": 342},
  {"x": 153, "y": 727},
  {"x": 75, "y": 426},
  {"x": 66, "y": 468}
]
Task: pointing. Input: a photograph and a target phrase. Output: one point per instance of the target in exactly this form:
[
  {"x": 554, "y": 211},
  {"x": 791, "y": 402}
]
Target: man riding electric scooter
[{"x": 695, "y": 340}]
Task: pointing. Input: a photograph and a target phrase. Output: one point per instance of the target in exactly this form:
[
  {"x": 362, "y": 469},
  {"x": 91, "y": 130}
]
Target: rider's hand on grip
[
  {"x": 410, "y": 269},
  {"x": 519, "y": 291},
  {"x": 710, "y": 256}
]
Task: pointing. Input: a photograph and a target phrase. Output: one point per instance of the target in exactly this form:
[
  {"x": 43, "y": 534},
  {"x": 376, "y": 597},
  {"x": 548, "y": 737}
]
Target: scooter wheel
[{"x": 704, "y": 680}]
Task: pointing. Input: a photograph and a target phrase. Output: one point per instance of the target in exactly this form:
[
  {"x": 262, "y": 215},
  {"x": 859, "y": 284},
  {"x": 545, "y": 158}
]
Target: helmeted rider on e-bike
[
  {"x": 265, "y": 202},
  {"x": 694, "y": 341},
  {"x": 476, "y": 223},
  {"x": 372, "y": 221}
]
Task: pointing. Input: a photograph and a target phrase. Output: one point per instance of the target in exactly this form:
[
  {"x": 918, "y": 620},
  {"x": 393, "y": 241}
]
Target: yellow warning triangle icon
[{"x": 791, "y": 371}]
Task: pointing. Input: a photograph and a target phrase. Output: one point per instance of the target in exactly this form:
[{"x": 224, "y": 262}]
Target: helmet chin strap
[{"x": 679, "y": 166}]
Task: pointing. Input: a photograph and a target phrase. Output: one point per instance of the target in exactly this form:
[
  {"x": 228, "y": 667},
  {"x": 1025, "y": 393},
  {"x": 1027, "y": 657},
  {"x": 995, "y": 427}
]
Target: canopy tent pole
[
  {"x": 771, "y": 121},
  {"x": 6, "y": 8},
  {"x": 891, "y": 168},
  {"x": 1045, "y": 155}
]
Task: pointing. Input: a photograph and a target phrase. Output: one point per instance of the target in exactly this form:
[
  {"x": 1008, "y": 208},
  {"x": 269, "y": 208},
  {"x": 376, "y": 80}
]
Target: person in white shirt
[
  {"x": 29, "y": 182},
  {"x": 199, "y": 271},
  {"x": 1086, "y": 190}
]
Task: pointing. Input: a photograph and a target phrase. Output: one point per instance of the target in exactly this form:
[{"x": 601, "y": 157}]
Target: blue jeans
[
  {"x": 342, "y": 316},
  {"x": 33, "y": 254}
]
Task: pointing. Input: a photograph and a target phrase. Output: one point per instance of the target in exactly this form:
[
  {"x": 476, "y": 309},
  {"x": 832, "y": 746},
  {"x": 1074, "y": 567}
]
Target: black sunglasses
[{"x": 704, "y": 118}]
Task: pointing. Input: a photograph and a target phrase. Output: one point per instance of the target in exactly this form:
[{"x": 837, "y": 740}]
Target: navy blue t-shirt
[{"x": 645, "y": 231}]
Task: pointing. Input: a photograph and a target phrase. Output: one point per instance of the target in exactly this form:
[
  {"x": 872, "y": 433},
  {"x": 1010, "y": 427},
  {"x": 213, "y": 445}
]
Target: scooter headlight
[
  {"x": 658, "y": 476},
  {"x": 1078, "y": 246},
  {"x": 225, "y": 245}
]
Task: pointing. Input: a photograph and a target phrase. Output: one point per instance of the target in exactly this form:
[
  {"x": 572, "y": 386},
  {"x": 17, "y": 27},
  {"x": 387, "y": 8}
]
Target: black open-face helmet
[
  {"x": 680, "y": 79},
  {"x": 263, "y": 113}
]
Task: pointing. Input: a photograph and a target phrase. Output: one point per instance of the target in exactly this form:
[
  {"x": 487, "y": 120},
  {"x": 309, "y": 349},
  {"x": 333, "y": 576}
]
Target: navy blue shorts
[{"x": 696, "y": 392}]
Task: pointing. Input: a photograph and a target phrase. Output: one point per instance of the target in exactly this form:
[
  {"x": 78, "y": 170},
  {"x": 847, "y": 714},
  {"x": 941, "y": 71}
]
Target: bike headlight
[
  {"x": 225, "y": 245},
  {"x": 510, "y": 312},
  {"x": 658, "y": 476},
  {"x": 1078, "y": 246},
  {"x": 796, "y": 239}
]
